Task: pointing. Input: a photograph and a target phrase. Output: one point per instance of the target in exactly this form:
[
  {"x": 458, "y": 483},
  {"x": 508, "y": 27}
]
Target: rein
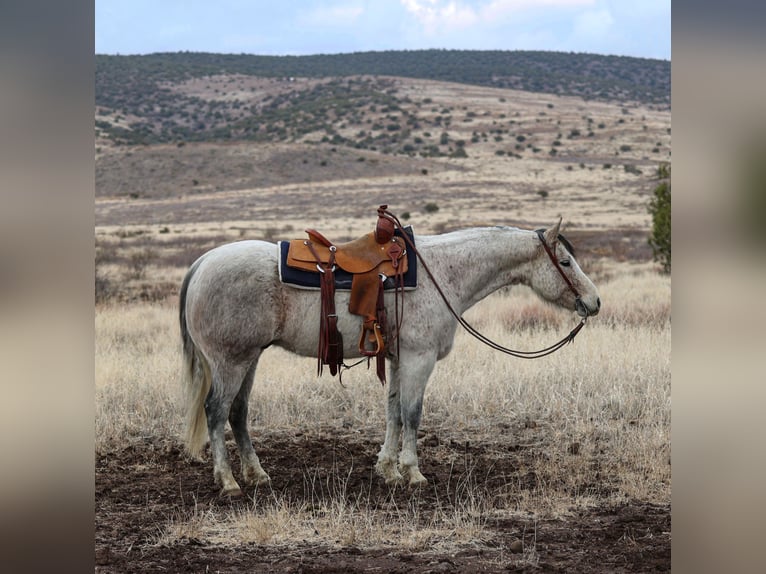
[{"x": 476, "y": 334}]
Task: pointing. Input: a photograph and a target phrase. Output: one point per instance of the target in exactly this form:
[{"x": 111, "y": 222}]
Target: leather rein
[{"x": 472, "y": 331}]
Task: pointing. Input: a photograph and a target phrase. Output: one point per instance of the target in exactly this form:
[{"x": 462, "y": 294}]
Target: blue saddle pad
[{"x": 308, "y": 280}]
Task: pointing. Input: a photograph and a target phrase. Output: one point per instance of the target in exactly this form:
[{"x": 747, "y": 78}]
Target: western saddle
[{"x": 370, "y": 259}]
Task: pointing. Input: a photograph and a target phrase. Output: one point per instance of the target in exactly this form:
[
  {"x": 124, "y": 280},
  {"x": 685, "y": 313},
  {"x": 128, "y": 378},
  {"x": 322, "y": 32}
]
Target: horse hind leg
[
  {"x": 252, "y": 471},
  {"x": 226, "y": 384}
]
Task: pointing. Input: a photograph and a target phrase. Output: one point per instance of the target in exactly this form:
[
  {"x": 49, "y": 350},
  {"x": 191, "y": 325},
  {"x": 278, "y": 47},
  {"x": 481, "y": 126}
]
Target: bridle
[
  {"x": 557, "y": 265},
  {"x": 472, "y": 331}
]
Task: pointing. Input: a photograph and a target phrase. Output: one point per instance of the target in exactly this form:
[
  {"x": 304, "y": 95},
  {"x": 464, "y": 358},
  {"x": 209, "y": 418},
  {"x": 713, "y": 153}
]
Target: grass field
[
  {"x": 596, "y": 415},
  {"x": 558, "y": 464}
]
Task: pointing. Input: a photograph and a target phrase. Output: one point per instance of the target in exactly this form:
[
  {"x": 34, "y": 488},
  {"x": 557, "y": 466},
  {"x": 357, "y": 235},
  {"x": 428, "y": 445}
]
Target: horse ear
[{"x": 552, "y": 234}]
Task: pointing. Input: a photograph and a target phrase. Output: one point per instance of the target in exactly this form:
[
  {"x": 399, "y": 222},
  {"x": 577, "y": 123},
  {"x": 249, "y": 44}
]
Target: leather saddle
[{"x": 371, "y": 259}]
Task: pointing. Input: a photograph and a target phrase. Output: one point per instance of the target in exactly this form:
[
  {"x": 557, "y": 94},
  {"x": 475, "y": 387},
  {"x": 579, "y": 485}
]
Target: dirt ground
[{"x": 142, "y": 487}]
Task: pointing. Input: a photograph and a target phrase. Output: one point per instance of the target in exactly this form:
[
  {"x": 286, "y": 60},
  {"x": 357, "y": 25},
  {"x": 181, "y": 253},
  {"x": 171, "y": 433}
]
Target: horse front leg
[
  {"x": 386, "y": 465},
  {"x": 414, "y": 371}
]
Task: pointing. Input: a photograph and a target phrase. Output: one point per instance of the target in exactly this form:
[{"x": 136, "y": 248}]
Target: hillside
[
  {"x": 186, "y": 161},
  {"x": 179, "y": 96}
]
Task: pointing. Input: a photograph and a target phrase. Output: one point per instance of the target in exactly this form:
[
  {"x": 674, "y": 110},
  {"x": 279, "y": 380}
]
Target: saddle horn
[{"x": 384, "y": 230}]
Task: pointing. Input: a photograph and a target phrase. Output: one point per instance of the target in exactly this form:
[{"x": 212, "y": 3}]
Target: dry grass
[
  {"x": 605, "y": 398},
  {"x": 362, "y": 523},
  {"x": 137, "y": 373}
]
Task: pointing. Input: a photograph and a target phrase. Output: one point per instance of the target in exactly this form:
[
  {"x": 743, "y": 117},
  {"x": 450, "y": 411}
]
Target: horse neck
[{"x": 474, "y": 263}]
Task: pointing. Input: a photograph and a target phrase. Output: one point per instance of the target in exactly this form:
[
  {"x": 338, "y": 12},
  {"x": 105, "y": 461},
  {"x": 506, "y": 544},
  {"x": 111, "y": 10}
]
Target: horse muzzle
[{"x": 584, "y": 310}]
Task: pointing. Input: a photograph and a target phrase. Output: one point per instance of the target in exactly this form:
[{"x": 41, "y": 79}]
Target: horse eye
[{"x": 565, "y": 263}]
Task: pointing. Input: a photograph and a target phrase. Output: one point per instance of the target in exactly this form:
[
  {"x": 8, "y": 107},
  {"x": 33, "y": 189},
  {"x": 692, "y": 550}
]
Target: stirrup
[{"x": 376, "y": 336}]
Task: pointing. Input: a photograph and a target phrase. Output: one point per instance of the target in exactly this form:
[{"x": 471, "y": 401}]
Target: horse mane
[{"x": 566, "y": 243}]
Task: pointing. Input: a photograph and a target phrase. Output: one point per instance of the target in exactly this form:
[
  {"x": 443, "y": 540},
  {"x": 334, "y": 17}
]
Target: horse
[{"x": 233, "y": 306}]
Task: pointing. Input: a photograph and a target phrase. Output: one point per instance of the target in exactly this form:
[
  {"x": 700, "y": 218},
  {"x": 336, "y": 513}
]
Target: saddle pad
[{"x": 310, "y": 280}]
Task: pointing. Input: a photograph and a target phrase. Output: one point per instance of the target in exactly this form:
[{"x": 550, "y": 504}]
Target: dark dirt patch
[
  {"x": 142, "y": 487},
  {"x": 167, "y": 171}
]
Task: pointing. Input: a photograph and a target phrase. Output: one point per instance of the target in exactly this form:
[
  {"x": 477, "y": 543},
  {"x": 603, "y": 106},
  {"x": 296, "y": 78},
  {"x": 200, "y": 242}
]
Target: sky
[{"x": 638, "y": 28}]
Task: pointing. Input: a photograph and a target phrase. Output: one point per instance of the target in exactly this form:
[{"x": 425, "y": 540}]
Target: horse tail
[{"x": 196, "y": 378}]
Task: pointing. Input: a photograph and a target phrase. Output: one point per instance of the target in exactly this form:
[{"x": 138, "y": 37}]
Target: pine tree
[{"x": 659, "y": 207}]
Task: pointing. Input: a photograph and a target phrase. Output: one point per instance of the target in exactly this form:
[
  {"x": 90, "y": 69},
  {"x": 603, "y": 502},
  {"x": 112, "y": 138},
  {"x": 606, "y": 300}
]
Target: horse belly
[{"x": 301, "y": 319}]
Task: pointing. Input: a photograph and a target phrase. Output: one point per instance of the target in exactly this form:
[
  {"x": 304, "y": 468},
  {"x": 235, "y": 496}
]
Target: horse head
[{"x": 558, "y": 278}]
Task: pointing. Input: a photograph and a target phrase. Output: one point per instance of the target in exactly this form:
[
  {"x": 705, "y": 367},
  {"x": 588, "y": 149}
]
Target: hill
[
  {"x": 161, "y": 98},
  {"x": 186, "y": 161}
]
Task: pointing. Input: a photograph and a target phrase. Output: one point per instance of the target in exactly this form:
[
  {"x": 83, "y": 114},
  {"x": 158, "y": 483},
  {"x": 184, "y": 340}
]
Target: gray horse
[{"x": 233, "y": 306}]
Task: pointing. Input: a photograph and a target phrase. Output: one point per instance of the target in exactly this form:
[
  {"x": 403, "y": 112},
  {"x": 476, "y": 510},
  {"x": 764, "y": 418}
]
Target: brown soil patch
[{"x": 143, "y": 487}]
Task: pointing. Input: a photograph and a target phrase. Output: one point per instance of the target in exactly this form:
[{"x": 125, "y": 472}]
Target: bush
[
  {"x": 139, "y": 261},
  {"x": 104, "y": 288},
  {"x": 659, "y": 208}
]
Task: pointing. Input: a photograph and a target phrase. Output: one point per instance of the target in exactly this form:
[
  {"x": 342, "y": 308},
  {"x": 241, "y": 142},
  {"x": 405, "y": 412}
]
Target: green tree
[{"x": 659, "y": 208}]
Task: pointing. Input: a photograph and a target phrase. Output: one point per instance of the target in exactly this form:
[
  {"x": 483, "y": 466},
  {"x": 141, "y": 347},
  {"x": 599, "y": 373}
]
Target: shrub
[
  {"x": 138, "y": 262},
  {"x": 104, "y": 288},
  {"x": 431, "y": 208},
  {"x": 659, "y": 208}
]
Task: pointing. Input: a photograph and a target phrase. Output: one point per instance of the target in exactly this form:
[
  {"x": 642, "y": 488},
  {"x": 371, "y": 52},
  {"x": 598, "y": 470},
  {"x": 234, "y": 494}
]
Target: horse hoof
[
  {"x": 231, "y": 492},
  {"x": 417, "y": 479},
  {"x": 394, "y": 480},
  {"x": 262, "y": 480},
  {"x": 259, "y": 479},
  {"x": 390, "y": 473}
]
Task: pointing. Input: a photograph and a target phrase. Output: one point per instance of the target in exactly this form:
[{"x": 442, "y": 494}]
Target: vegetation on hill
[
  {"x": 659, "y": 208},
  {"x": 138, "y": 99}
]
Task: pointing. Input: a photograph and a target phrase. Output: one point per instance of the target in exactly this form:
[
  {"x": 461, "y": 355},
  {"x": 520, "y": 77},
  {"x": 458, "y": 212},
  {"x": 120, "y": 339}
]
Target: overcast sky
[{"x": 296, "y": 27}]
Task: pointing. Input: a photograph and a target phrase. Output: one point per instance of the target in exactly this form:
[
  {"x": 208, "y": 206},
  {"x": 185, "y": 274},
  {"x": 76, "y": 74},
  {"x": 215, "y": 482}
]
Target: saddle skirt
[{"x": 357, "y": 257}]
